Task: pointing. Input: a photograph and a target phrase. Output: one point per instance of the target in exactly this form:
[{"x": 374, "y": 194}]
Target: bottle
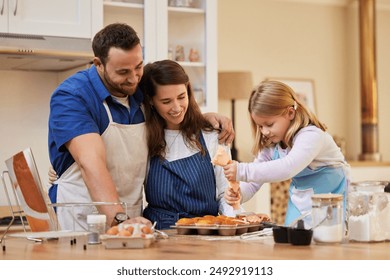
[
  {"x": 328, "y": 218},
  {"x": 369, "y": 211},
  {"x": 96, "y": 226}
]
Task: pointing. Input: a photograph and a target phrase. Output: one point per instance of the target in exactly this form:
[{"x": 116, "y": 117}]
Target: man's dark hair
[{"x": 117, "y": 35}]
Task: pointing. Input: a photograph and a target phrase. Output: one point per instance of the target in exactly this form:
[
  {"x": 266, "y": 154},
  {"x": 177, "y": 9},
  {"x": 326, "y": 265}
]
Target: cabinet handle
[
  {"x": 2, "y": 8},
  {"x": 16, "y": 7}
]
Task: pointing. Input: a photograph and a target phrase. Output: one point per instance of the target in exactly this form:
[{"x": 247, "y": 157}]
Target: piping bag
[{"x": 221, "y": 158}]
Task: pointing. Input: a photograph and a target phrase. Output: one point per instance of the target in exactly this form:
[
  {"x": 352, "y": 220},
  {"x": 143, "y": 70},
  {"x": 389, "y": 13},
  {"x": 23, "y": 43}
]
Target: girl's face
[
  {"x": 171, "y": 103},
  {"x": 274, "y": 128}
]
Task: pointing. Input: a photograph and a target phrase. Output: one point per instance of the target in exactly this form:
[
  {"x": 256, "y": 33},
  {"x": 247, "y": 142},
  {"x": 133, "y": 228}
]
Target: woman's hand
[
  {"x": 224, "y": 124},
  {"x": 230, "y": 170},
  {"x": 52, "y": 175}
]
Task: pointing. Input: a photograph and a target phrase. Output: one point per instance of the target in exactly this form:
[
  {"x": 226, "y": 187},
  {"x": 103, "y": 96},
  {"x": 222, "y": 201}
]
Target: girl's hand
[
  {"x": 231, "y": 197},
  {"x": 230, "y": 170}
]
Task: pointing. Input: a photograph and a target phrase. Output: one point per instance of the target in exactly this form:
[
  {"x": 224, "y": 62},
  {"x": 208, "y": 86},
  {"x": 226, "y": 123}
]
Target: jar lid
[
  {"x": 327, "y": 197},
  {"x": 369, "y": 183},
  {"x": 96, "y": 219},
  {"x": 369, "y": 186}
]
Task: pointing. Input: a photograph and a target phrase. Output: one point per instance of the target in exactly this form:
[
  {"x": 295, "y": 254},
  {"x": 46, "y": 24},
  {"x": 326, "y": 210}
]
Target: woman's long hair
[
  {"x": 168, "y": 72},
  {"x": 274, "y": 98}
]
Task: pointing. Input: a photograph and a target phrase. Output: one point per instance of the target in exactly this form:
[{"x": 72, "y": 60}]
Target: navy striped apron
[{"x": 181, "y": 188}]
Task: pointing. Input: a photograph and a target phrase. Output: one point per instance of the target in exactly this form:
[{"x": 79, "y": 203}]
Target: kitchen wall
[
  {"x": 24, "y": 113},
  {"x": 304, "y": 39}
]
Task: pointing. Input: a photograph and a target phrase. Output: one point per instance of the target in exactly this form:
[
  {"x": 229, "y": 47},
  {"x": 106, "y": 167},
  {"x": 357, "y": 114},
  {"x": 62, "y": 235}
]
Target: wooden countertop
[
  {"x": 194, "y": 247},
  {"x": 191, "y": 247}
]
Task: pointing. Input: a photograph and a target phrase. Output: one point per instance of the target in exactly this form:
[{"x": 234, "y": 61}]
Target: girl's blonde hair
[{"x": 273, "y": 98}]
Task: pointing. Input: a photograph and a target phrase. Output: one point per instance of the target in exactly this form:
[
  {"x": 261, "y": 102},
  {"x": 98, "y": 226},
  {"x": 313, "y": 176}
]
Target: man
[{"x": 97, "y": 140}]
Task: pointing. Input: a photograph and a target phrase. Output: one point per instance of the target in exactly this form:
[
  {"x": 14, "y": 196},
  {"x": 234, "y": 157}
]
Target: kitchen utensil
[
  {"x": 263, "y": 232},
  {"x": 327, "y": 217},
  {"x": 280, "y": 234}
]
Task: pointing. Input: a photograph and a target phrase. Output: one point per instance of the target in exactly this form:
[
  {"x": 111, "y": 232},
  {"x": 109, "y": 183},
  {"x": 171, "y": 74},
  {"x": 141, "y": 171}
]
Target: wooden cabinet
[
  {"x": 164, "y": 26},
  {"x": 69, "y": 18}
]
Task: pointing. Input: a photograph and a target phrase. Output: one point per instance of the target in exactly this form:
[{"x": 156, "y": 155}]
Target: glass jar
[
  {"x": 327, "y": 215},
  {"x": 369, "y": 211},
  {"x": 96, "y": 226}
]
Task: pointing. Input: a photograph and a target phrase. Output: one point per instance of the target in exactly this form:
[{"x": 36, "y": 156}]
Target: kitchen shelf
[
  {"x": 123, "y": 5},
  {"x": 185, "y": 11}
]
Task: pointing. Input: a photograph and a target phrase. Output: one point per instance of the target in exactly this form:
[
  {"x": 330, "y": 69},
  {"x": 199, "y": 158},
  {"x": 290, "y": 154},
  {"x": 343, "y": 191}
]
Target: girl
[
  {"x": 181, "y": 180},
  {"x": 290, "y": 142}
]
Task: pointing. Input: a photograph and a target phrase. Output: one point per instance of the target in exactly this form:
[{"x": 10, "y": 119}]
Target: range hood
[{"x": 43, "y": 53}]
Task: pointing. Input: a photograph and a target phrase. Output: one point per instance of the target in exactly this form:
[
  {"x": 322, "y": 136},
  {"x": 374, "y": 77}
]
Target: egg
[
  {"x": 124, "y": 232},
  {"x": 146, "y": 230},
  {"x": 130, "y": 229},
  {"x": 113, "y": 230}
]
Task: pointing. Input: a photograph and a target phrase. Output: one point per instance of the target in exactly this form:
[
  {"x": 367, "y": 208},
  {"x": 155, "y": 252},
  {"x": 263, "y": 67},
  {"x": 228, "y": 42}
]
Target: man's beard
[{"x": 114, "y": 88}]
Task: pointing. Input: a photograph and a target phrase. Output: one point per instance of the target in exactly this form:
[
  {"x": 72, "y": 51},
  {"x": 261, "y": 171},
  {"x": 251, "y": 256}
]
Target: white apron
[{"x": 126, "y": 156}]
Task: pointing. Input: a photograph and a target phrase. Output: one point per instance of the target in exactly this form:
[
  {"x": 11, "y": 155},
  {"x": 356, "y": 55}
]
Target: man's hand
[
  {"x": 224, "y": 125},
  {"x": 138, "y": 220}
]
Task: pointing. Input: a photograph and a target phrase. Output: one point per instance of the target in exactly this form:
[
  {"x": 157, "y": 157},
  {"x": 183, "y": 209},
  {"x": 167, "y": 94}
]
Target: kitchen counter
[{"x": 193, "y": 247}]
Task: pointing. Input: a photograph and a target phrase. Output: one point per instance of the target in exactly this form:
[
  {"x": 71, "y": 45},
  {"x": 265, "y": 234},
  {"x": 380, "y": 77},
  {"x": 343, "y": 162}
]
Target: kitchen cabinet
[
  {"x": 69, "y": 18},
  {"x": 164, "y": 26}
]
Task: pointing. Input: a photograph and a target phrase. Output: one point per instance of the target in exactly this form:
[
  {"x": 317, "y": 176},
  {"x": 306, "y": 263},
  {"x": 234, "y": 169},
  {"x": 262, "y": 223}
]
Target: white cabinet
[
  {"x": 69, "y": 18},
  {"x": 163, "y": 27},
  {"x": 4, "y": 16}
]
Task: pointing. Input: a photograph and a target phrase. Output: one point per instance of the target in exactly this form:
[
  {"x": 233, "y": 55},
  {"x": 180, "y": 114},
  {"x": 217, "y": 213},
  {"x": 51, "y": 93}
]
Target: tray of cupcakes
[{"x": 221, "y": 225}]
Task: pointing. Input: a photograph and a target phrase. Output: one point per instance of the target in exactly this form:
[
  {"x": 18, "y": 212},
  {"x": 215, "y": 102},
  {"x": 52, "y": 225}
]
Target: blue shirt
[{"x": 76, "y": 108}]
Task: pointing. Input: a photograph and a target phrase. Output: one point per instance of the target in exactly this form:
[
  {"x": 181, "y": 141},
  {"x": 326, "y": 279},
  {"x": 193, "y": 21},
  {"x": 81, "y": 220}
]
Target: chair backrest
[{"x": 29, "y": 192}]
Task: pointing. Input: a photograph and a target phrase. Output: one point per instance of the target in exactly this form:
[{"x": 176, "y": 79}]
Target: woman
[{"x": 181, "y": 181}]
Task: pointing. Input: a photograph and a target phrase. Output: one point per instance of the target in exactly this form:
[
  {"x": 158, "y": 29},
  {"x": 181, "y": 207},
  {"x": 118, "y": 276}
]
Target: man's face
[{"x": 123, "y": 71}]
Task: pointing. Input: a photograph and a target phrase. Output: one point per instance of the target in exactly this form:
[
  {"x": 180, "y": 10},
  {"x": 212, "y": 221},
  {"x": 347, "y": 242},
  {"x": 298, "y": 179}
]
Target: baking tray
[
  {"x": 217, "y": 229},
  {"x": 120, "y": 242}
]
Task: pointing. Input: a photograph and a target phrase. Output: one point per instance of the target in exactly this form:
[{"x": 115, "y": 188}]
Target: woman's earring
[{"x": 295, "y": 105}]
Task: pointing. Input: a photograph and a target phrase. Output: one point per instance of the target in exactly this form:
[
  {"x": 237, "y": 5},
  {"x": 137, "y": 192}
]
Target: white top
[
  {"x": 312, "y": 147},
  {"x": 177, "y": 149}
]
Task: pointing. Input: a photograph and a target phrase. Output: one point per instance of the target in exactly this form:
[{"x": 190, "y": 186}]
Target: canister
[
  {"x": 369, "y": 211},
  {"x": 328, "y": 218},
  {"x": 96, "y": 226}
]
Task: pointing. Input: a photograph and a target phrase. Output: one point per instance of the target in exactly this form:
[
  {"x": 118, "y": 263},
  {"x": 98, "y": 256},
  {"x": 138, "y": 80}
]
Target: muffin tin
[{"x": 224, "y": 230}]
